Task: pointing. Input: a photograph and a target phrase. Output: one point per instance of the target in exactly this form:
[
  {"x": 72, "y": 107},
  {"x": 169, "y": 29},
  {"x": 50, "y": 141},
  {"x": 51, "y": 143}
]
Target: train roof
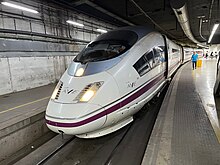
[
  {"x": 141, "y": 31},
  {"x": 129, "y": 34}
]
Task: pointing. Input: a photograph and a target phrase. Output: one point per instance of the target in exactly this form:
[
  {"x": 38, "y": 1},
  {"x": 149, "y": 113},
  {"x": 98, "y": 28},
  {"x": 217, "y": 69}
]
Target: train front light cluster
[
  {"x": 57, "y": 90},
  {"x": 88, "y": 92},
  {"x": 87, "y": 96}
]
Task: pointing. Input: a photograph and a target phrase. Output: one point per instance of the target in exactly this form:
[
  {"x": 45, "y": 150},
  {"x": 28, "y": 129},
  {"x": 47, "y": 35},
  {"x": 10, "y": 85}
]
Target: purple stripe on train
[{"x": 111, "y": 109}]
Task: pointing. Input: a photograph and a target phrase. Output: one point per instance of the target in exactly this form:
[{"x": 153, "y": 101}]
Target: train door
[
  {"x": 166, "y": 55},
  {"x": 183, "y": 55}
]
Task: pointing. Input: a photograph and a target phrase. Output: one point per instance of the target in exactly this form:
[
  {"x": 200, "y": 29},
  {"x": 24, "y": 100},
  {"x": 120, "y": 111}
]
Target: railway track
[{"x": 44, "y": 160}]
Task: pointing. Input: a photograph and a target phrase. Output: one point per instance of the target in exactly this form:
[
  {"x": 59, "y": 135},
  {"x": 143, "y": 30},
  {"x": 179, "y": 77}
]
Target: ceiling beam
[
  {"x": 107, "y": 12},
  {"x": 148, "y": 17},
  {"x": 78, "y": 2}
]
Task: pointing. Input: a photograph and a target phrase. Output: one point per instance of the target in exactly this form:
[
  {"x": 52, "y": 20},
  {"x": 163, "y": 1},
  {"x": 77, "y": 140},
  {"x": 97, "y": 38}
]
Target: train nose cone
[
  {"x": 70, "y": 111},
  {"x": 74, "y": 119}
]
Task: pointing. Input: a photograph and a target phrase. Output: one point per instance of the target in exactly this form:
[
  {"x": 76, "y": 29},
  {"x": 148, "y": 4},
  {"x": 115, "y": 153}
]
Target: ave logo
[{"x": 69, "y": 91}]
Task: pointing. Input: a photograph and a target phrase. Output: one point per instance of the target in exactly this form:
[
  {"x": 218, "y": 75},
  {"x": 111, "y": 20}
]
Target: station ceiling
[{"x": 202, "y": 13}]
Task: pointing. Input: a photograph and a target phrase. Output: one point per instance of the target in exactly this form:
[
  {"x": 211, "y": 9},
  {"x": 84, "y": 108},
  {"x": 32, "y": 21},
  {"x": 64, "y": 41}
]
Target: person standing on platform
[
  {"x": 206, "y": 56},
  {"x": 216, "y": 55},
  {"x": 194, "y": 59}
]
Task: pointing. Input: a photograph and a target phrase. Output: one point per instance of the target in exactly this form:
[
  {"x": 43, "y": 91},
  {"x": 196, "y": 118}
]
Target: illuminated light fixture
[
  {"x": 74, "y": 23},
  {"x": 215, "y": 27},
  {"x": 56, "y": 91},
  {"x": 19, "y": 7},
  {"x": 88, "y": 92},
  {"x": 202, "y": 46},
  {"x": 101, "y": 30},
  {"x": 79, "y": 72},
  {"x": 87, "y": 96}
]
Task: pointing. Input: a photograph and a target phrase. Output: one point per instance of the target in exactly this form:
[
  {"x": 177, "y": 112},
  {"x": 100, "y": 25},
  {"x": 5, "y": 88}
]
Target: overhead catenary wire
[{"x": 146, "y": 15}]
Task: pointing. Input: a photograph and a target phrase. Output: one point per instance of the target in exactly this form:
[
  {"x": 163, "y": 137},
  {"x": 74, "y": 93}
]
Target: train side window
[
  {"x": 142, "y": 66},
  {"x": 175, "y": 50},
  {"x": 159, "y": 54},
  {"x": 150, "y": 58},
  {"x": 175, "y": 53},
  {"x": 162, "y": 53}
]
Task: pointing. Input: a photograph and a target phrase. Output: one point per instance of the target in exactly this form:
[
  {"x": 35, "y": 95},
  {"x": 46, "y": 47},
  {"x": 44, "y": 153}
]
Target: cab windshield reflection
[{"x": 100, "y": 51}]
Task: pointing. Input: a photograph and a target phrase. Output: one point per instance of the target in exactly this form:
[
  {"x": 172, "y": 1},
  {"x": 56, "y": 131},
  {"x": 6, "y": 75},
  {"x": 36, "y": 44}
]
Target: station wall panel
[
  {"x": 36, "y": 49},
  {"x": 37, "y": 27},
  {"x": 23, "y": 25},
  {"x": 68, "y": 60},
  {"x": 1, "y": 23},
  {"x": 7, "y": 45},
  {"x": 30, "y": 72},
  {"x": 5, "y": 83},
  {"x": 21, "y": 73},
  {"x": 8, "y": 23},
  {"x": 59, "y": 66}
]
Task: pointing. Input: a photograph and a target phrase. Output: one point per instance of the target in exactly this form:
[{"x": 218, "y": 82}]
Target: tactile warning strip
[{"x": 193, "y": 139}]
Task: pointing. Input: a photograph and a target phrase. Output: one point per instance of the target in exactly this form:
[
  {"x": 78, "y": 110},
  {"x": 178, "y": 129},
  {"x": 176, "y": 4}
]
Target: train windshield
[
  {"x": 101, "y": 50},
  {"x": 108, "y": 46}
]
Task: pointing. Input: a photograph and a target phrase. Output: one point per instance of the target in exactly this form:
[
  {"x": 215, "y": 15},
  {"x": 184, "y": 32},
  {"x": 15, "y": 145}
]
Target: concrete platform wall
[
  {"x": 21, "y": 73},
  {"x": 20, "y": 134},
  {"x": 36, "y": 49}
]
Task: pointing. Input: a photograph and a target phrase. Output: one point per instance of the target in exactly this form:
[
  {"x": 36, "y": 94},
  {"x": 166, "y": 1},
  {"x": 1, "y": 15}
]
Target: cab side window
[
  {"x": 150, "y": 58},
  {"x": 142, "y": 66}
]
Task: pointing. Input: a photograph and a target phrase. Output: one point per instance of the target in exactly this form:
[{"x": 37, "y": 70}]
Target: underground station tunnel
[{"x": 92, "y": 82}]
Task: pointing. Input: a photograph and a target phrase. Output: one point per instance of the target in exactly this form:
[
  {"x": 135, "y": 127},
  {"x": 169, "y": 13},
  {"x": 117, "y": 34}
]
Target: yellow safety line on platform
[
  {"x": 213, "y": 123},
  {"x": 25, "y": 104}
]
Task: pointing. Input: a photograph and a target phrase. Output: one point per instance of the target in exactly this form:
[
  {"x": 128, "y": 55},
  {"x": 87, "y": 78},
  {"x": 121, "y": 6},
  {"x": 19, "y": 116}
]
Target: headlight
[
  {"x": 88, "y": 92},
  {"x": 57, "y": 90},
  {"x": 79, "y": 72},
  {"x": 87, "y": 96}
]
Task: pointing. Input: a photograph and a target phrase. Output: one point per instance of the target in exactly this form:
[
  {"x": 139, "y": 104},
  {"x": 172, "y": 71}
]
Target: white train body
[
  {"x": 174, "y": 57},
  {"x": 98, "y": 94},
  {"x": 187, "y": 52}
]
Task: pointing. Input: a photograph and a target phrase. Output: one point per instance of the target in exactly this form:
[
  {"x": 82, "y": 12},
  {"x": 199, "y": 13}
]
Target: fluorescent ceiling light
[
  {"x": 201, "y": 45},
  {"x": 101, "y": 30},
  {"x": 19, "y": 7},
  {"x": 215, "y": 27},
  {"x": 75, "y": 23}
]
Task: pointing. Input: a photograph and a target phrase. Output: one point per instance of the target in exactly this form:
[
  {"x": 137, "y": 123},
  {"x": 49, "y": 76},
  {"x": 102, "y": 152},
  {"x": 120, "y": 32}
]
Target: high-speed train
[{"x": 111, "y": 79}]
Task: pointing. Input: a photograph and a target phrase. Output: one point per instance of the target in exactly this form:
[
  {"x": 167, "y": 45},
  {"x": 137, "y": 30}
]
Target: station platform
[
  {"x": 20, "y": 105},
  {"x": 187, "y": 131},
  {"x": 22, "y": 119}
]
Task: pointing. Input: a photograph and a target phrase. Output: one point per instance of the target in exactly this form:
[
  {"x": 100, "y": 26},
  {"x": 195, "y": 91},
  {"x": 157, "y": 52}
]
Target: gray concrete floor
[
  {"x": 187, "y": 127},
  {"x": 23, "y": 104}
]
